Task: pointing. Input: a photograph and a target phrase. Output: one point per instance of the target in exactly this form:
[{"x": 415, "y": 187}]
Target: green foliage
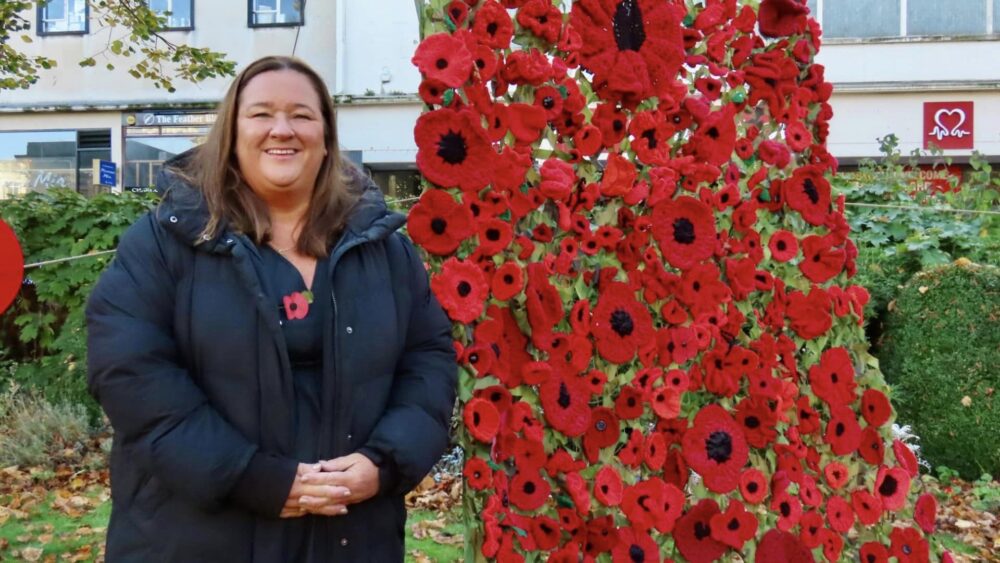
[
  {"x": 940, "y": 351},
  {"x": 160, "y": 60},
  {"x": 42, "y": 334},
  {"x": 33, "y": 430}
]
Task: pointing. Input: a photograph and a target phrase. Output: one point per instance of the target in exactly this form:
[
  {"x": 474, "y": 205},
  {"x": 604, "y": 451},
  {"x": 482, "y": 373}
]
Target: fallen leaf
[
  {"x": 966, "y": 401},
  {"x": 31, "y": 553},
  {"x": 923, "y": 289}
]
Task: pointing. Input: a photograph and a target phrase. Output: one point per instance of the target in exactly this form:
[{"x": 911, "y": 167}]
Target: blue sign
[{"x": 108, "y": 173}]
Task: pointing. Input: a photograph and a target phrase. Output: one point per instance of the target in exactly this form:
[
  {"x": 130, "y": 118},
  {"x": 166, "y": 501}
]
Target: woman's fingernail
[
  {"x": 343, "y": 510},
  {"x": 305, "y": 479},
  {"x": 347, "y": 493}
]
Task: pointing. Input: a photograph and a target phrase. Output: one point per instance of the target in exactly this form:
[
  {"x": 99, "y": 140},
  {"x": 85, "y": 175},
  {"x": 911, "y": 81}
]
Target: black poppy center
[
  {"x": 683, "y": 230},
  {"x": 601, "y": 426},
  {"x": 441, "y": 63},
  {"x": 438, "y": 225},
  {"x": 752, "y": 487},
  {"x": 907, "y": 549},
  {"x": 617, "y": 125},
  {"x": 508, "y": 279},
  {"x": 493, "y": 234},
  {"x": 491, "y": 28},
  {"x": 464, "y": 288},
  {"x": 734, "y": 524},
  {"x": 635, "y": 553},
  {"x": 781, "y": 245},
  {"x": 811, "y": 191},
  {"x": 786, "y": 509},
  {"x": 719, "y": 446},
  {"x": 452, "y": 148},
  {"x": 629, "y": 31},
  {"x": 529, "y": 487},
  {"x": 840, "y": 429},
  {"x": 713, "y": 132},
  {"x": 475, "y": 419},
  {"x": 650, "y": 136},
  {"x": 548, "y": 102},
  {"x": 888, "y": 486},
  {"x": 702, "y": 530},
  {"x": 751, "y": 422},
  {"x": 563, "y": 396},
  {"x": 621, "y": 323}
]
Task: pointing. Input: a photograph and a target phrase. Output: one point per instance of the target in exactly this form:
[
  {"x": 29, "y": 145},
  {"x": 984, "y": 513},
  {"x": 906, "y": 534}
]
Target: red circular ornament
[{"x": 11, "y": 266}]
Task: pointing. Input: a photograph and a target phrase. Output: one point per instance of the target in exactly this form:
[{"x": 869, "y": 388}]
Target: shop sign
[
  {"x": 948, "y": 125},
  {"x": 107, "y": 173},
  {"x": 151, "y": 119},
  {"x": 938, "y": 178}
]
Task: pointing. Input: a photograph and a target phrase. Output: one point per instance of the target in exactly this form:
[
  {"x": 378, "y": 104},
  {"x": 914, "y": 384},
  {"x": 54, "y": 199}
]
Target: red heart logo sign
[{"x": 11, "y": 266}]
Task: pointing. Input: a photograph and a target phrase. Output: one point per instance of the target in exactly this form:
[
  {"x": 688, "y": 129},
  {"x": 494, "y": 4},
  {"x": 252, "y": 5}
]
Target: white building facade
[{"x": 902, "y": 67}]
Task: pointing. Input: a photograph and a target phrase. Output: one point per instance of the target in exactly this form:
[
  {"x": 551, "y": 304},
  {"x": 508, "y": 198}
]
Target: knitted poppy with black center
[
  {"x": 492, "y": 25},
  {"x": 633, "y": 47},
  {"x": 494, "y": 236},
  {"x": 608, "y": 486},
  {"x": 753, "y": 486},
  {"x": 565, "y": 405},
  {"x": 684, "y": 229},
  {"x": 461, "y": 289},
  {"x": 808, "y": 192},
  {"x": 642, "y": 503},
  {"x": 908, "y": 546},
  {"x": 778, "y": 545},
  {"x": 832, "y": 379},
  {"x": 925, "y": 512},
  {"x": 629, "y": 403},
  {"x": 481, "y": 419},
  {"x": 820, "y": 260},
  {"x": 867, "y": 507},
  {"x": 546, "y": 533},
  {"x": 715, "y": 448},
  {"x": 891, "y": 486},
  {"x": 874, "y": 552},
  {"x": 758, "y": 421},
  {"x": 452, "y": 149},
  {"x": 507, "y": 281},
  {"x": 542, "y": 19},
  {"x": 809, "y": 529},
  {"x": 620, "y": 324},
  {"x": 836, "y": 474},
  {"x": 528, "y": 490},
  {"x": 875, "y": 407},
  {"x": 872, "y": 448},
  {"x": 839, "y": 514},
  {"x": 781, "y": 18},
  {"x": 905, "y": 457},
  {"x": 438, "y": 223},
  {"x": 714, "y": 140},
  {"x": 654, "y": 451},
  {"x": 788, "y": 508},
  {"x": 650, "y": 137},
  {"x": 478, "y": 474},
  {"x": 601, "y": 433},
  {"x": 635, "y": 546},
  {"x": 809, "y": 313},
  {"x": 444, "y": 57},
  {"x": 843, "y": 433},
  {"x": 612, "y": 122},
  {"x": 693, "y": 533},
  {"x": 735, "y": 526}
]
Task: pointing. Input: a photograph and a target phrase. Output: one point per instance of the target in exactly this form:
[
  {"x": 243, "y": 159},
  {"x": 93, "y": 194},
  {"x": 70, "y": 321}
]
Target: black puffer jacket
[{"x": 187, "y": 358}]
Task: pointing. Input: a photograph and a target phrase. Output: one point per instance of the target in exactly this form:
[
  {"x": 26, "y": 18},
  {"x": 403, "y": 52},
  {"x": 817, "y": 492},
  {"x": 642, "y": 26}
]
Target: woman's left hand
[{"x": 354, "y": 471}]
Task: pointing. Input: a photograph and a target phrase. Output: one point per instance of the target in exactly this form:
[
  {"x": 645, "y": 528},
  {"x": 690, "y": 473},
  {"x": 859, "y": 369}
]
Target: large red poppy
[
  {"x": 716, "y": 449},
  {"x": 461, "y": 289},
  {"x": 445, "y": 58},
  {"x": 684, "y": 229},
  {"x": 492, "y": 25},
  {"x": 832, "y": 379},
  {"x": 693, "y": 534},
  {"x": 808, "y": 192},
  {"x": 438, "y": 223},
  {"x": 634, "y": 47},
  {"x": 452, "y": 149},
  {"x": 620, "y": 324}
]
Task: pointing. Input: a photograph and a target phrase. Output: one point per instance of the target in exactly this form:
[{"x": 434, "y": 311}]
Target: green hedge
[{"x": 941, "y": 353}]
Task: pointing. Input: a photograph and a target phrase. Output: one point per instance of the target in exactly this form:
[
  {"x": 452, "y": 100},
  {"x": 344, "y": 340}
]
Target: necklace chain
[{"x": 283, "y": 250}]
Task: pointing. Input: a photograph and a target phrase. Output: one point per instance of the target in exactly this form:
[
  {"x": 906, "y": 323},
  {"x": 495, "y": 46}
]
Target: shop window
[
  {"x": 275, "y": 13},
  {"x": 399, "y": 186},
  {"x": 144, "y": 157},
  {"x": 63, "y": 17},
  {"x": 36, "y": 161},
  {"x": 861, "y": 18},
  {"x": 961, "y": 17},
  {"x": 179, "y": 13}
]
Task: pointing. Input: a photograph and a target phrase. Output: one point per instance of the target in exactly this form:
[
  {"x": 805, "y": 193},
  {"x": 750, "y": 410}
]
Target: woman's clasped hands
[{"x": 327, "y": 487}]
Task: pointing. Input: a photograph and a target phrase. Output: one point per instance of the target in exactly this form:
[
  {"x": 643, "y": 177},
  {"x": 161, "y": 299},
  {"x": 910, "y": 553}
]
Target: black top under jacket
[{"x": 188, "y": 358}]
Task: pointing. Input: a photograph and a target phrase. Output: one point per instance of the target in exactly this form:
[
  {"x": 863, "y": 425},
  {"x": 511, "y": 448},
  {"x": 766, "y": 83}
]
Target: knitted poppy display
[{"x": 629, "y": 217}]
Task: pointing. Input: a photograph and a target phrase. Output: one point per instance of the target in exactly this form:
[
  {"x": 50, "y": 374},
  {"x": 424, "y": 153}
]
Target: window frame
[
  {"x": 190, "y": 27},
  {"x": 903, "y": 35},
  {"x": 40, "y": 25},
  {"x": 251, "y": 17}
]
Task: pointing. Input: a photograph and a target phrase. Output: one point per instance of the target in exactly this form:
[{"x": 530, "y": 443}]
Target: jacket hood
[{"x": 184, "y": 213}]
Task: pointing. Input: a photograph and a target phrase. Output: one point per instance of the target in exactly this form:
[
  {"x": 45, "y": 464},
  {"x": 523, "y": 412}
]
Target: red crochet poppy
[
  {"x": 495, "y": 235},
  {"x": 296, "y": 305},
  {"x": 545, "y": 532},
  {"x": 651, "y": 137},
  {"x": 461, "y": 289},
  {"x": 438, "y": 223},
  {"x": 492, "y": 25},
  {"x": 444, "y": 57},
  {"x": 481, "y": 419},
  {"x": 925, "y": 512},
  {"x": 832, "y": 379},
  {"x": 620, "y": 324},
  {"x": 808, "y": 192},
  {"x": 891, "y": 486},
  {"x": 602, "y": 432},
  {"x": 758, "y": 421},
  {"x": 778, "y": 545},
  {"x": 633, "y": 47},
  {"x": 872, "y": 448},
  {"x": 735, "y": 526},
  {"x": 843, "y": 433},
  {"x": 618, "y": 177},
  {"x": 629, "y": 403},
  {"x": 528, "y": 490},
  {"x": 875, "y": 407},
  {"x": 809, "y": 313},
  {"x": 608, "y": 487},
  {"x": 781, "y": 18},
  {"x": 635, "y": 545},
  {"x": 874, "y": 552},
  {"x": 788, "y": 509},
  {"x": 714, "y": 141},
  {"x": 753, "y": 486},
  {"x": 820, "y": 260},
  {"x": 612, "y": 122},
  {"x": 836, "y": 474},
  {"x": 693, "y": 533},
  {"x": 685, "y": 231},
  {"x": 558, "y": 179},
  {"x": 908, "y": 546},
  {"x": 867, "y": 507},
  {"x": 542, "y": 19},
  {"x": 507, "y": 282},
  {"x": 452, "y": 149},
  {"x": 840, "y": 514},
  {"x": 905, "y": 457},
  {"x": 716, "y": 449},
  {"x": 478, "y": 474},
  {"x": 564, "y": 404}
]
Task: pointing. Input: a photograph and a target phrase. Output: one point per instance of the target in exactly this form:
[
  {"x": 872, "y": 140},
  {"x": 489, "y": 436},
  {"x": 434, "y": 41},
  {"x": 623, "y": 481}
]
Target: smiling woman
[{"x": 267, "y": 348}]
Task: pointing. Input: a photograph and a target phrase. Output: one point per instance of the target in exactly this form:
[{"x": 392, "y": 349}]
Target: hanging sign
[
  {"x": 948, "y": 125},
  {"x": 11, "y": 266}
]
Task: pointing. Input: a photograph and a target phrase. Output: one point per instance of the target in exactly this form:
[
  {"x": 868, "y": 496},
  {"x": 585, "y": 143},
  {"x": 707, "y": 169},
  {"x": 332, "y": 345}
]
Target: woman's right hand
[{"x": 331, "y": 494}]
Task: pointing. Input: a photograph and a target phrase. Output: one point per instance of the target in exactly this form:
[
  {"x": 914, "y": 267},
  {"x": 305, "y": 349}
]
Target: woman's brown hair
[{"x": 214, "y": 170}]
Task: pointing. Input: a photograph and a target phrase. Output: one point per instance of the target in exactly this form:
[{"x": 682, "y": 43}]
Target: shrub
[
  {"x": 941, "y": 349},
  {"x": 33, "y": 430}
]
